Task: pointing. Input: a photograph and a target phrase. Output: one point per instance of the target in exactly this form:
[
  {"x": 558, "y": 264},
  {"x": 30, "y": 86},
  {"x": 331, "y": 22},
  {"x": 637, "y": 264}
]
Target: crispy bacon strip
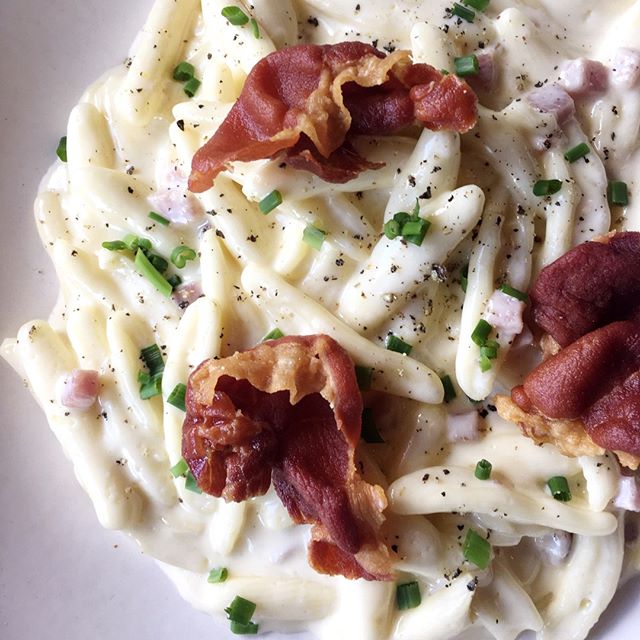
[
  {"x": 289, "y": 412},
  {"x": 585, "y": 396},
  {"x": 306, "y": 102}
]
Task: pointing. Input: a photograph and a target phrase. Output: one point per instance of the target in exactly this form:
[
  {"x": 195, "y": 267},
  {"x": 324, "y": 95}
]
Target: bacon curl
[
  {"x": 306, "y": 102},
  {"x": 289, "y": 412}
]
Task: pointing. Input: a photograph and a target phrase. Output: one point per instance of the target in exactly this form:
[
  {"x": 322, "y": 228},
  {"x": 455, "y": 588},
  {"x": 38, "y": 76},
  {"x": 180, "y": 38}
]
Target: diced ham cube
[
  {"x": 582, "y": 76},
  {"x": 625, "y": 67},
  {"x": 485, "y": 79},
  {"x": 174, "y": 201},
  {"x": 80, "y": 389},
  {"x": 504, "y": 314},
  {"x": 628, "y": 494},
  {"x": 186, "y": 294},
  {"x": 463, "y": 426},
  {"x": 552, "y": 99}
]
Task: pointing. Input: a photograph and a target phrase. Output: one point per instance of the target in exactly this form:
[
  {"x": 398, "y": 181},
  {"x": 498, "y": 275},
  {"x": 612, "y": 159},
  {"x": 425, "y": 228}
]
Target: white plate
[{"x": 61, "y": 575}]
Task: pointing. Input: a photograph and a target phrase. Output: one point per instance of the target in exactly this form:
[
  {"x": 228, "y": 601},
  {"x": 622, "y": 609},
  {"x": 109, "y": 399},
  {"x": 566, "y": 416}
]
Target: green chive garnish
[
  {"x": 414, "y": 231},
  {"x": 218, "y": 575},
  {"x": 274, "y": 334},
  {"x": 410, "y": 226},
  {"x": 617, "y": 193},
  {"x": 240, "y": 610},
  {"x": 559, "y": 488},
  {"x": 489, "y": 352},
  {"x": 463, "y": 12},
  {"x": 408, "y": 595},
  {"x": 577, "y": 152},
  {"x": 176, "y": 397},
  {"x": 370, "y": 433},
  {"x": 156, "y": 217},
  {"x": 191, "y": 484},
  {"x": 270, "y": 202},
  {"x": 235, "y": 15},
  {"x": 146, "y": 269},
  {"x": 546, "y": 187},
  {"x": 464, "y": 277},
  {"x": 449, "y": 389},
  {"x": 61, "y": 151},
  {"x": 184, "y": 72},
  {"x": 181, "y": 254},
  {"x": 514, "y": 293},
  {"x": 244, "y": 628},
  {"x": 150, "y": 386},
  {"x": 191, "y": 87},
  {"x": 393, "y": 343},
  {"x": 480, "y": 5},
  {"x": 476, "y": 549},
  {"x": 255, "y": 28},
  {"x": 313, "y": 236},
  {"x": 180, "y": 468},
  {"x": 481, "y": 332},
  {"x": 483, "y": 469},
  {"x": 391, "y": 229},
  {"x": 174, "y": 280},
  {"x": 466, "y": 66},
  {"x": 115, "y": 245},
  {"x": 152, "y": 358},
  {"x": 485, "y": 364},
  {"x": 157, "y": 261},
  {"x": 363, "y": 376},
  {"x": 135, "y": 242}
]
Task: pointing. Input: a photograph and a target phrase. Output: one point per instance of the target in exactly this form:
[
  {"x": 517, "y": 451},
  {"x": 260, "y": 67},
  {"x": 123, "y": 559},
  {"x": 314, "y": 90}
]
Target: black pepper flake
[
  {"x": 427, "y": 194},
  {"x": 394, "y": 548},
  {"x": 313, "y": 21},
  {"x": 491, "y": 407},
  {"x": 472, "y": 584},
  {"x": 446, "y": 472},
  {"x": 130, "y": 189},
  {"x": 180, "y": 124},
  {"x": 412, "y": 181},
  {"x": 443, "y": 494},
  {"x": 219, "y": 234},
  {"x": 425, "y": 477}
]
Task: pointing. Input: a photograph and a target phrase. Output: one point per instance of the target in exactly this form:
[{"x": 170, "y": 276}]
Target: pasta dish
[{"x": 347, "y": 335}]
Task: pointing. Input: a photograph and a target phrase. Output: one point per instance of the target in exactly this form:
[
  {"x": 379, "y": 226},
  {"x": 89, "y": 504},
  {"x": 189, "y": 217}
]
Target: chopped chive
[
  {"x": 255, "y": 28},
  {"x": 476, "y": 549},
  {"x": 235, "y": 15},
  {"x": 156, "y": 217},
  {"x": 191, "y": 483},
  {"x": 485, "y": 364},
  {"x": 483, "y": 469},
  {"x": 464, "y": 277},
  {"x": 577, "y": 152},
  {"x": 180, "y": 468},
  {"x": 391, "y": 229},
  {"x": 61, "y": 151},
  {"x": 176, "y": 397},
  {"x": 274, "y": 334},
  {"x": 514, "y": 293},
  {"x": 146, "y": 269},
  {"x": 363, "y": 376},
  {"x": 489, "y": 352},
  {"x": 313, "y": 236},
  {"x": 480, "y": 5},
  {"x": 408, "y": 595},
  {"x": 114, "y": 245},
  {"x": 135, "y": 242},
  {"x": 158, "y": 262},
  {"x": 449, "y": 389},
  {"x": 617, "y": 193},
  {"x": 174, "y": 280},
  {"x": 414, "y": 231},
  {"x": 244, "y": 628},
  {"x": 270, "y": 202},
  {"x": 546, "y": 187},
  {"x": 191, "y": 87},
  {"x": 181, "y": 254},
  {"x": 184, "y": 72},
  {"x": 240, "y": 610},
  {"x": 559, "y": 488},
  {"x": 393, "y": 343},
  {"x": 463, "y": 12},
  {"x": 153, "y": 360},
  {"x": 150, "y": 386},
  {"x": 218, "y": 575},
  {"x": 466, "y": 66},
  {"x": 370, "y": 433},
  {"x": 481, "y": 332}
]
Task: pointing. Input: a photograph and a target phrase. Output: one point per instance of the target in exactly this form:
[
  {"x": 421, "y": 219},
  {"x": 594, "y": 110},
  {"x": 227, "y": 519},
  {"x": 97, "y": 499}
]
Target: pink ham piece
[
  {"x": 174, "y": 201},
  {"x": 628, "y": 497},
  {"x": 582, "y": 77},
  {"x": 186, "y": 294},
  {"x": 552, "y": 99},
  {"x": 504, "y": 314},
  {"x": 80, "y": 389},
  {"x": 625, "y": 67},
  {"x": 485, "y": 79},
  {"x": 463, "y": 426}
]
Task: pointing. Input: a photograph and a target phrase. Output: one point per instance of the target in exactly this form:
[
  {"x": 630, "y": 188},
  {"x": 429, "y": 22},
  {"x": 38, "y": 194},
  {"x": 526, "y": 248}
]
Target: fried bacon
[
  {"x": 289, "y": 412},
  {"x": 585, "y": 396},
  {"x": 306, "y": 102}
]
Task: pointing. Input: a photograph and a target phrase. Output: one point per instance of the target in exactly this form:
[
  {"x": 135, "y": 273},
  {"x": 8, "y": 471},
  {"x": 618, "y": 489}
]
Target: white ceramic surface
[{"x": 61, "y": 575}]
